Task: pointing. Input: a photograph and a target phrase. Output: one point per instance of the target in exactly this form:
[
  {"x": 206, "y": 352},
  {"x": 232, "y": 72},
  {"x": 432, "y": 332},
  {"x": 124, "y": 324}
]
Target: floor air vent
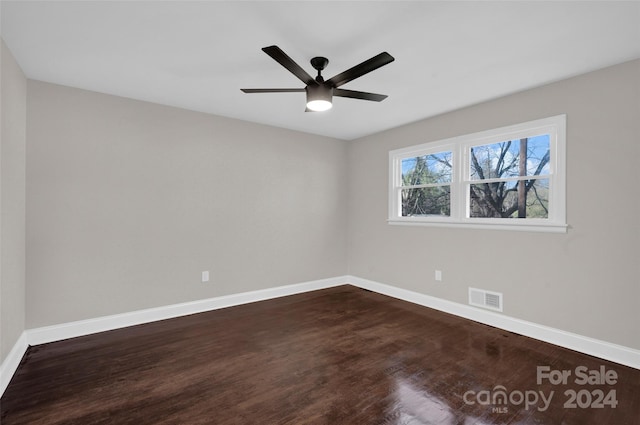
[{"x": 485, "y": 299}]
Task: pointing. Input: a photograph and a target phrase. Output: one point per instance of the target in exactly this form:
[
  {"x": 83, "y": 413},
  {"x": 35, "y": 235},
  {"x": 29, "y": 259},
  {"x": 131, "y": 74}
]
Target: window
[{"x": 508, "y": 178}]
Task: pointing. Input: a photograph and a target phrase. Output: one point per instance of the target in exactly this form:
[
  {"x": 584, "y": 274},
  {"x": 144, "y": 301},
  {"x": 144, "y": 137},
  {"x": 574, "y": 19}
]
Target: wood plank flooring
[{"x": 336, "y": 356}]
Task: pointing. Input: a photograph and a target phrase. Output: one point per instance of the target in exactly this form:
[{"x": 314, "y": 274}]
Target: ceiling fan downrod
[{"x": 319, "y": 63}]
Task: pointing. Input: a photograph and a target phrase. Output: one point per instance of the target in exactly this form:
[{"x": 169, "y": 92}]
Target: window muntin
[{"x": 508, "y": 178}]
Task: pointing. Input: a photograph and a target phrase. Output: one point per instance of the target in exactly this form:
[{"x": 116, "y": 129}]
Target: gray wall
[
  {"x": 585, "y": 281},
  {"x": 13, "y": 90},
  {"x": 127, "y": 202}
]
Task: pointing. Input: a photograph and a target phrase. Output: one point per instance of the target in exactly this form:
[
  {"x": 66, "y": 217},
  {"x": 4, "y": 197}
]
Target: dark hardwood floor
[{"x": 336, "y": 356}]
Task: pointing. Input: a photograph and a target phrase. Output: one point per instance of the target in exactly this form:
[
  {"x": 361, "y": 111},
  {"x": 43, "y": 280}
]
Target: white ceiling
[{"x": 197, "y": 55}]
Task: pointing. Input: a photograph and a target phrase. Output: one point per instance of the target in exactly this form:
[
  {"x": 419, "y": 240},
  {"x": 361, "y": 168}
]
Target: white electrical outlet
[
  {"x": 438, "y": 276},
  {"x": 205, "y": 276}
]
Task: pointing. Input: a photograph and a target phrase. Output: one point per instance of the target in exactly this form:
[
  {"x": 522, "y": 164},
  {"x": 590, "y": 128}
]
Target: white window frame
[{"x": 460, "y": 147}]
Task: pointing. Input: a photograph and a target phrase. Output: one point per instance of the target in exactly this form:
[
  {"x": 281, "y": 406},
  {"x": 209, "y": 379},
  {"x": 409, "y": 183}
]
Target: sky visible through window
[
  {"x": 488, "y": 157},
  {"x": 432, "y": 168},
  {"x": 537, "y": 148}
]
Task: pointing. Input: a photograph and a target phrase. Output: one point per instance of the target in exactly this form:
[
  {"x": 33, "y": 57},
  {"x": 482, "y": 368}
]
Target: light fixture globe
[{"x": 319, "y": 97}]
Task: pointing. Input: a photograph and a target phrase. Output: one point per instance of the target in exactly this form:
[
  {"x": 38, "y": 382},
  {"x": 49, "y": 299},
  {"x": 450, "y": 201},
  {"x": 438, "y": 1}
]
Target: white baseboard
[
  {"x": 591, "y": 346},
  {"x": 62, "y": 331},
  {"x": 12, "y": 361},
  {"x": 594, "y": 347},
  {"x": 100, "y": 324}
]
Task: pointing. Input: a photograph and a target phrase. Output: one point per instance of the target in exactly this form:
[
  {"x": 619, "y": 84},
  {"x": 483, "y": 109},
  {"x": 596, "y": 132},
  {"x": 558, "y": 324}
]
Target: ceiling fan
[{"x": 320, "y": 92}]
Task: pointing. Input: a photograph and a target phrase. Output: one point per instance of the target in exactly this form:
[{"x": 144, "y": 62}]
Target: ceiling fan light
[
  {"x": 319, "y": 105},
  {"x": 319, "y": 97}
]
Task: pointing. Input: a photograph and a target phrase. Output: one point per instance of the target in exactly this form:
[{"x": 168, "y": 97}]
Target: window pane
[
  {"x": 426, "y": 169},
  {"x": 426, "y": 201},
  {"x": 497, "y": 160},
  {"x": 500, "y": 199},
  {"x": 512, "y": 158},
  {"x": 538, "y": 155}
]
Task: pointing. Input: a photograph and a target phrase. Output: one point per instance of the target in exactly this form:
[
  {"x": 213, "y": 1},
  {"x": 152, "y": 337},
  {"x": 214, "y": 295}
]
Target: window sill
[{"x": 521, "y": 227}]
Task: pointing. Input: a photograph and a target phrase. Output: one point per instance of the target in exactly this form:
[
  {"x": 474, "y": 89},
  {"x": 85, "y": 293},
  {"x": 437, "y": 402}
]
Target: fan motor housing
[{"x": 319, "y": 92}]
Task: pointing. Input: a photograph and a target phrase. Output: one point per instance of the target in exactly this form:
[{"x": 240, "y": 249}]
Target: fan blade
[
  {"x": 281, "y": 57},
  {"x": 272, "y": 90},
  {"x": 361, "y": 69},
  {"x": 359, "y": 95}
]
